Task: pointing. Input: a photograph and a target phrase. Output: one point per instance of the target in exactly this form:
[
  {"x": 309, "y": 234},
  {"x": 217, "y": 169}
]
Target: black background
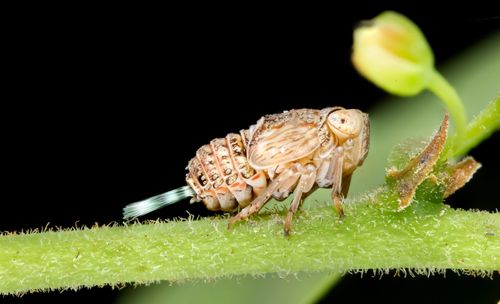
[{"x": 109, "y": 104}]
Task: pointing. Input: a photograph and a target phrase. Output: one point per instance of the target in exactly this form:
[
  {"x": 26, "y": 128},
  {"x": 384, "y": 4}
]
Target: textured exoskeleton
[{"x": 290, "y": 151}]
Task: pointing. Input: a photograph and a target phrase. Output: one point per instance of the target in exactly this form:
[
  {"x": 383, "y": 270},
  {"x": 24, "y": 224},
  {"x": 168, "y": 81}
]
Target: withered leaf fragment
[
  {"x": 459, "y": 174},
  {"x": 420, "y": 168}
]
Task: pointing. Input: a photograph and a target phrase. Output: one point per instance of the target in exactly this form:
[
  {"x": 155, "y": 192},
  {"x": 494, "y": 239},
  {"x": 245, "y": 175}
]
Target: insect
[{"x": 296, "y": 150}]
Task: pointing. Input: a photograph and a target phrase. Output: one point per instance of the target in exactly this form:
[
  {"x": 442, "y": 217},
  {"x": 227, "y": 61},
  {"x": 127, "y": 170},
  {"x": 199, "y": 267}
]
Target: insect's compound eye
[{"x": 345, "y": 123}]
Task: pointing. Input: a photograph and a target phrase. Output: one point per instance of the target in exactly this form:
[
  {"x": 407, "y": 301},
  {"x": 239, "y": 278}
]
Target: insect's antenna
[{"x": 156, "y": 202}]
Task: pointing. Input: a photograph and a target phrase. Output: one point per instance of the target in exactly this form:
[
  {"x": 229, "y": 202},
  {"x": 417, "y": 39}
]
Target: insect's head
[
  {"x": 352, "y": 130},
  {"x": 346, "y": 124}
]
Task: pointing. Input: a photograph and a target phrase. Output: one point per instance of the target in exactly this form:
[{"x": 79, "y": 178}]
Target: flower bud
[{"x": 392, "y": 52}]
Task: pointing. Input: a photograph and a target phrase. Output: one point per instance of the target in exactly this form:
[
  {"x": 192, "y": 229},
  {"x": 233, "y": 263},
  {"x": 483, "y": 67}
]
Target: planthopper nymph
[{"x": 296, "y": 150}]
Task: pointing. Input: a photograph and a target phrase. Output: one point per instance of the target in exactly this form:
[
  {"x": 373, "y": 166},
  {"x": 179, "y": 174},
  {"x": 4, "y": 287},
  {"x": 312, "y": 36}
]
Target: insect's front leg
[
  {"x": 337, "y": 166},
  {"x": 330, "y": 174}
]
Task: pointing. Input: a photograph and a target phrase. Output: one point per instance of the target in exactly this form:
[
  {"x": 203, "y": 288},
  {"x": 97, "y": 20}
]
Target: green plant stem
[
  {"x": 300, "y": 289},
  {"x": 322, "y": 289},
  {"x": 447, "y": 94},
  {"x": 425, "y": 237},
  {"x": 480, "y": 128}
]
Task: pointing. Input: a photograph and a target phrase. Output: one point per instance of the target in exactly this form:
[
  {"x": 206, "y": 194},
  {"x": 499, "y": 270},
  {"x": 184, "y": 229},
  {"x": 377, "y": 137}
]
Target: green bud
[{"x": 392, "y": 52}]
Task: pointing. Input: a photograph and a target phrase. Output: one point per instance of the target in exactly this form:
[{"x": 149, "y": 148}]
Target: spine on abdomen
[{"x": 221, "y": 176}]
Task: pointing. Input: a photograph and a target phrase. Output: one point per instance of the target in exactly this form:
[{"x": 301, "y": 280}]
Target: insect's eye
[{"x": 345, "y": 123}]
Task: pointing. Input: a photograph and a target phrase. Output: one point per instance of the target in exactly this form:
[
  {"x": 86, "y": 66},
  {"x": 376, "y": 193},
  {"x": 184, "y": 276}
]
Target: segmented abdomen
[{"x": 221, "y": 175}]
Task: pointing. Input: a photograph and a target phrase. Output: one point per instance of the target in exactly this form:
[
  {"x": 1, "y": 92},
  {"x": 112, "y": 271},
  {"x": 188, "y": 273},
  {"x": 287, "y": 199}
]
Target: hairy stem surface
[{"x": 425, "y": 236}]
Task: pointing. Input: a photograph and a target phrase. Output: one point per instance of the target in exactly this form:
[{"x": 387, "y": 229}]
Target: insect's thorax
[{"x": 287, "y": 137}]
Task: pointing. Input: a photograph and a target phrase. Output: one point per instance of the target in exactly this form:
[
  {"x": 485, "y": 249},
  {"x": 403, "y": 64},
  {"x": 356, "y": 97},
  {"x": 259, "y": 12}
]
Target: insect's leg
[
  {"x": 259, "y": 201},
  {"x": 346, "y": 182},
  {"x": 336, "y": 167},
  {"x": 287, "y": 185},
  {"x": 305, "y": 184}
]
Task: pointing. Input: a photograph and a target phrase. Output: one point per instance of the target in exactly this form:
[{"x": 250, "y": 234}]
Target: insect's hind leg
[
  {"x": 293, "y": 172},
  {"x": 305, "y": 184}
]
